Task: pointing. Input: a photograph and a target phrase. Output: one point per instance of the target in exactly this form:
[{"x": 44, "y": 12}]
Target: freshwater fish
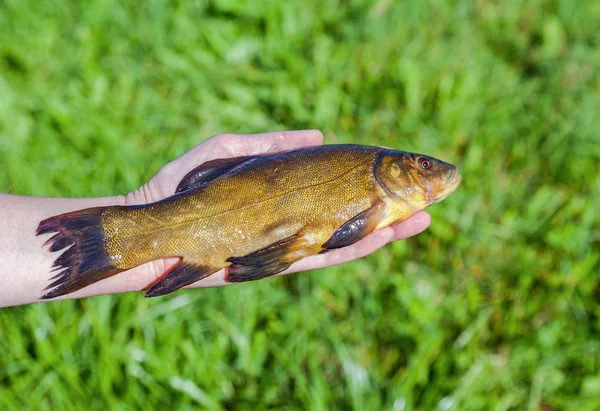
[{"x": 253, "y": 215}]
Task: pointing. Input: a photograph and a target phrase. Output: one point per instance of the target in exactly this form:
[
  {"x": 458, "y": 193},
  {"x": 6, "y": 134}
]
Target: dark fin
[
  {"x": 356, "y": 228},
  {"x": 262, "y": 263},
  {"x": 85, "y": 261},
  {"x": 180, "y": 276},
  {"x": 209, "y": 171}
]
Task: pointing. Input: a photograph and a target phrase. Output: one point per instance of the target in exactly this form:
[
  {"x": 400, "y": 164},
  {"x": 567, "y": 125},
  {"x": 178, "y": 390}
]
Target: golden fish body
[
  {"x": 246, "y": 211},
  {"x": 259, "y": 214}
]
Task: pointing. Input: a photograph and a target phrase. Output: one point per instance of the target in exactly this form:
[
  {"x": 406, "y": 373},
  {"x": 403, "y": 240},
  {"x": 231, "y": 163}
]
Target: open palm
[{"x": 164, "y": 183}]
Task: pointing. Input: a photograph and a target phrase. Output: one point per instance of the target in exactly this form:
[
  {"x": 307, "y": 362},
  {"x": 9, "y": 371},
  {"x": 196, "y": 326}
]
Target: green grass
[{"x": 496, "y": 306}]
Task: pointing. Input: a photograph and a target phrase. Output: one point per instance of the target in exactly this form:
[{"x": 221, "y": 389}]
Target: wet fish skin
[{"x": 254, "y": 215}]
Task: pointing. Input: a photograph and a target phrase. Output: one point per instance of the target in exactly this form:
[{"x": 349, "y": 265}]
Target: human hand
[
  {"x": 26, "y": 266},
  {"x": 164, "y": 183}
]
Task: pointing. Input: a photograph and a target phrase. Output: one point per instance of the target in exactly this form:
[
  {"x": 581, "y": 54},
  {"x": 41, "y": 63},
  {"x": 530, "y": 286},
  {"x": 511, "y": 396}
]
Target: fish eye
[{"x": 424, "y": 163}]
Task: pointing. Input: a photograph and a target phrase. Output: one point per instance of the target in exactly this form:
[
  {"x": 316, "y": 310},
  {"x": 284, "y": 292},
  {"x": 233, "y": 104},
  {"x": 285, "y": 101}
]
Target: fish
[{"x": 252, "y": 215}]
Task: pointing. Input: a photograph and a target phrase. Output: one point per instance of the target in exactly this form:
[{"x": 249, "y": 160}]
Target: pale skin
[{"x": 25, "y": 264}]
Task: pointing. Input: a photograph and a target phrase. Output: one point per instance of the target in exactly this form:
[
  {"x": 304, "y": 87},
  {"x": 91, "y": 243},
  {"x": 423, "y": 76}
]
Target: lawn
[{"x": 495, "y": 306}]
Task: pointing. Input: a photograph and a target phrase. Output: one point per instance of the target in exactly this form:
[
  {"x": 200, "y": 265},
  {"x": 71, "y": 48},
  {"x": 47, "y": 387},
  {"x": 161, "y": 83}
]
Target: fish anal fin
[
  {"x": 209, "y": 171},
  {"x": 181, "y": 275},
  {"x": 265, "y": 262},
  {"x": 357, "y": 227}
]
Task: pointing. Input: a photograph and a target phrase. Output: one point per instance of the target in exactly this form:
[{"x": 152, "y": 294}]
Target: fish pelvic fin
[{"x": 84, "y": 260}]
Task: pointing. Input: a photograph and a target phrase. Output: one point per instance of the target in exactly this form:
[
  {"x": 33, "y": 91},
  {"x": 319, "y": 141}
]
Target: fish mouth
[{"x": 452, "y": 182}]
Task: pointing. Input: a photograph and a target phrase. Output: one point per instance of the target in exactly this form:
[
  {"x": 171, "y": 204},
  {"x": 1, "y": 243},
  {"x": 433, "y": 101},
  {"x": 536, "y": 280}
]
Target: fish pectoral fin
[
  {"x": 357, "y": 227},
  {"x": 265, "y": 262},
  {"x": 209, "y": 171},
  {"x": 181, "y": 275}
]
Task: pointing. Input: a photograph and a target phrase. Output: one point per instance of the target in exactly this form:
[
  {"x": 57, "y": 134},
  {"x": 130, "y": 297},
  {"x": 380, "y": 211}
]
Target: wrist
[{"x": 25, "y": 264}]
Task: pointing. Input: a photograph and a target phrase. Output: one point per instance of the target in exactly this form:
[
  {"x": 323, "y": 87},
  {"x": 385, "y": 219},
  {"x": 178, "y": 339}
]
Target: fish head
[{"x": 416, "y": 179}]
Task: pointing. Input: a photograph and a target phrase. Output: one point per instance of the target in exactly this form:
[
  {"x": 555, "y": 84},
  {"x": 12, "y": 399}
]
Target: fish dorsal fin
[{"x": 209, "y": 171}]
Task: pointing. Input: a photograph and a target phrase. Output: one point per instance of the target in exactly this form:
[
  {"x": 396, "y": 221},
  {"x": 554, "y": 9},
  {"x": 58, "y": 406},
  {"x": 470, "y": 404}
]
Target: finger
[
  {"x": 366, "y": 246},
  {"x": 272, "y": 142},
  {"x": 411, "y": 226}
]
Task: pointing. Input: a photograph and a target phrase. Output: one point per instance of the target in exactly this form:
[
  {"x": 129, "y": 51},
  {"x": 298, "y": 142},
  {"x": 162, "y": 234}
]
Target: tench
[{"x": 253, "y": 215}]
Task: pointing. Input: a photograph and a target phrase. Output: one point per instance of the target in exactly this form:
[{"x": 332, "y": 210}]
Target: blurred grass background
[{"x": 496, "y": 306}]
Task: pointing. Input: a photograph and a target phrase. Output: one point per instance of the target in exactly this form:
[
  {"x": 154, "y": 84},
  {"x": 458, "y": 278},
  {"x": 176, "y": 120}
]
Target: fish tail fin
[{"x": 85, "y": 259}]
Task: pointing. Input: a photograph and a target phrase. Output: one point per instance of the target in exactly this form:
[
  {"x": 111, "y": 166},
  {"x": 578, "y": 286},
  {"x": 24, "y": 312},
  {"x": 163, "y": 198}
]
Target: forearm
[{"x": 25, "y": 265}]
